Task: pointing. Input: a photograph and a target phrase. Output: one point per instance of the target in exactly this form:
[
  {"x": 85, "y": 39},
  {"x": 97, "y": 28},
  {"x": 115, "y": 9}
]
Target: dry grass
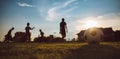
[{"x": 59, "y": 51}]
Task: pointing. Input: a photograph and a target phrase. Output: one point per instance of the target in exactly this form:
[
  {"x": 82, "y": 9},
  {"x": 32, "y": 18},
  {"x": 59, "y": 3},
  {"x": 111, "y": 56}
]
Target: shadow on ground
[{"x": 92, "y": 51}]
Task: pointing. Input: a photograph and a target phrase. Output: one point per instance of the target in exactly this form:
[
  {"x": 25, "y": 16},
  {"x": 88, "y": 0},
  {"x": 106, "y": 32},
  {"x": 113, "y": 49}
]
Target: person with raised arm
[{"x": 28, "y": 34}]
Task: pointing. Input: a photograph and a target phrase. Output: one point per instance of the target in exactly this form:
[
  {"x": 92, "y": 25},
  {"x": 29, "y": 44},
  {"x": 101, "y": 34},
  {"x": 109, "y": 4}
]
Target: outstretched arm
[{"x": 32, "y": 28}]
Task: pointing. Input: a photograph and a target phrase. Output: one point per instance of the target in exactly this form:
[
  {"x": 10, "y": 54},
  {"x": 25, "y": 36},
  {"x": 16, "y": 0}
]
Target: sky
[{"x": 47, "y": 15}]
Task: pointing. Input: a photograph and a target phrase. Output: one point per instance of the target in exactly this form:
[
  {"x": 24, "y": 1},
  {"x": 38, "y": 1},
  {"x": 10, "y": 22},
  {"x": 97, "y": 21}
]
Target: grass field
[{"x": 106, "y": 50}]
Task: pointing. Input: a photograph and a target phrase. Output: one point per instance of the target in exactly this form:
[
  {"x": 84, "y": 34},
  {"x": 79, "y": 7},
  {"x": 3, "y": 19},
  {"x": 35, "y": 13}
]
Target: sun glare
[{"x": 90, "y": 23}]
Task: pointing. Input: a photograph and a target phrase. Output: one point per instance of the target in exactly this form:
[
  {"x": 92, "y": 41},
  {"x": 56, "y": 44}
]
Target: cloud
[
  {"x": 68, "y": 2},
  {"x": 107, "y": 20},
  {"x": 71, "y": 9},
  {"x": 24, "y": 4},
  {"x": 53, "y": 12}
]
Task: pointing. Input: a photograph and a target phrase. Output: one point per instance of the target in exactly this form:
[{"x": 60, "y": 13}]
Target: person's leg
[
  {"x": 29, "y": 38},
  {"x": 63, "y": 36}
]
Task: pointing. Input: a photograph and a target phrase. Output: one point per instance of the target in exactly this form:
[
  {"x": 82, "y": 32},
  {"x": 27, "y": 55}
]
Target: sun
[{"x": 91, "y": 23}]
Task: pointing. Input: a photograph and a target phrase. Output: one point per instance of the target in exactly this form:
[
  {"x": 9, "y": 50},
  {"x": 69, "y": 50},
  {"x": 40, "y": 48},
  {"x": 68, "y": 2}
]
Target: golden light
[{"x": 91, "y": 23}]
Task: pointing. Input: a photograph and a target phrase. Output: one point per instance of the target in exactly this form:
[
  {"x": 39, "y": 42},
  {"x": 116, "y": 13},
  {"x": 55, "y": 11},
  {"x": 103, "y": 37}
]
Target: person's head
[
  {"x": 63, "y": 19},
  {"x": 40, "y": 30},
  {"x": 28, "y": 24},
  {"x": 12, "y": 28}
]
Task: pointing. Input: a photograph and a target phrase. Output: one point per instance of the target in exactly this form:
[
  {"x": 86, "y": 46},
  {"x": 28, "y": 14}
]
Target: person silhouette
[
  {"x": 63, "y": 28},
  {"x": 28, "y": 34},
  {"x": 41, "y": 33},
  {"x": 8, "y": 36}
]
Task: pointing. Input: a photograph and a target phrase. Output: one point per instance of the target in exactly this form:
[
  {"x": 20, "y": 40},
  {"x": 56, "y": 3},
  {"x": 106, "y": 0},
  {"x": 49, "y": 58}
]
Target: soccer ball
[{"x": 93, "y": 35}]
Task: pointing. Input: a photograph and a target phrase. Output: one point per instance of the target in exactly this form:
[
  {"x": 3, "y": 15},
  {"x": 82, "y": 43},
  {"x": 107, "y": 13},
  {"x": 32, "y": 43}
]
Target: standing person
[
  {"x": 63, "y": 28},
  {"x": 8, "y": 37},
  {"x": 41, "y": 33},
  {"x": 28, "y": 34}
]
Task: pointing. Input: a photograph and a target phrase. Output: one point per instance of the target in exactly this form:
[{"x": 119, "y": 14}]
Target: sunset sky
[{"x": 47, "y": 14}]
